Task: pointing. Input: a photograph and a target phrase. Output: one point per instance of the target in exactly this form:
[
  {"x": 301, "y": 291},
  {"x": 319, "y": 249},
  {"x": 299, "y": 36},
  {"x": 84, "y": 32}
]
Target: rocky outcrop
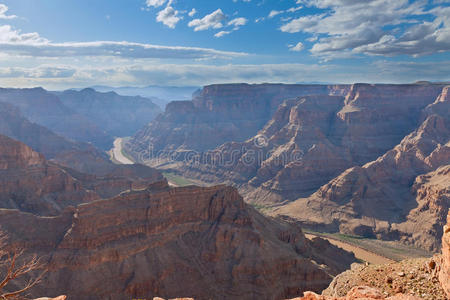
[
  {"x": 117, "y": 115},
  {"x": 28, "y": 182},
  {"x": 81, "y": 156},
  {"x": 217, "y": 114},
  {"x": 312, "y": 139},
  {"x": 380, "y": 200},
  {"x": 191, "y": 241},
  {"x": 444, "y": 275},
  {"x": 358, "y": 292},
  {"x": 46, "y": 109}
]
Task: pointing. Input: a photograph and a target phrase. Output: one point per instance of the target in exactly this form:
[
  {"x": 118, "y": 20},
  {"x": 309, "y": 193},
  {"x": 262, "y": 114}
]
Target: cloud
[
  {"x": 298, "y": 47},
  {"x": 238, "y": 22},
  {"x": 274, "y": 13},
  {"x": 222, "y": 33},
  {"x": 39, "y": 72},
  {"x": 155, "y": 3},
  {"x": 192, "y": 12},
  {"x": 3, "y": 10},
  {"x": 374, "y": 27},
  {"x": 15, "y": 43},
  {"x": 200, "y": 74},
  {"x": 212, "y": 21},
  {"x": 10, "y": 36},
  {"x": 168, "y": 16}
]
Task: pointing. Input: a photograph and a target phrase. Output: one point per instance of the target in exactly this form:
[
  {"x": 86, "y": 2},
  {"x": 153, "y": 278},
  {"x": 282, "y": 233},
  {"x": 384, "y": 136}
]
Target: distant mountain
[
  {"x": 115, "y": 114},
  {"x": 160, "y": 95},
  {"x": 46, "y": 109}
]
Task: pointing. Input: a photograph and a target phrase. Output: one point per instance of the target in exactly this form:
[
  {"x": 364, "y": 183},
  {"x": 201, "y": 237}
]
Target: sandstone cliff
[
  {"x": 191, "y": 241},
  {"x": 218, "y": 114},
  {"x": 386, "y": 198},
  {"x": 30, "y": 183},
  {"x": 312, "y": 139}
]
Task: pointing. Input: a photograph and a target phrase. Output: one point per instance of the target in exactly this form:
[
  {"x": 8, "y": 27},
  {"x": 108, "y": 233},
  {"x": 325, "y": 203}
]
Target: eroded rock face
[
  {"x": 30, "y": 183},
  {"x": 218, "y": 114},
  {"x": 312, "y": 139},
  {"x": 444, "y": 275},
  {"x": 194, "y": 242},
  {"x": 379, "y": 199}
]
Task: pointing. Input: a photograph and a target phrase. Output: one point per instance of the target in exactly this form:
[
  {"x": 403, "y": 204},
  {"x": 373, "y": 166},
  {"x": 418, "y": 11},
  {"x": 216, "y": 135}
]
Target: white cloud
[
  {"x": 10, "y": 36},
  {"x": 298, "y": 47},
  {"x": 199, "y": 74},
  {"x": 155, "y": 3},
  {"x": 212, "y": 21},
  {"x": 16, "y": 43},
  {"x": 361, "y": 27},
  {"x": 238, "y": 22},
  {"x": 168, "y": 16},
  {"x": 3, "y": 10},
  {"x": 274, "y": 13},
  {"x": 38, "y": 72},
  {"x": 222, "y": 33},
  {"x": 192, "y": 12}
]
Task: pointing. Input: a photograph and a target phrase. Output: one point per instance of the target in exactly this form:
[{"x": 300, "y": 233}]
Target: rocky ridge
[
  {"x": 388, "y": 198},
  {"x": 168, "y": 242},
  {"x": 217, "y": 114},
  {"x": 28, "y": 182},
  {"x": 117, "y": 115}
]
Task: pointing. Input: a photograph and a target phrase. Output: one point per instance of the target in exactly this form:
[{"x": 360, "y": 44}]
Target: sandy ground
[{"x": 362, "y": 254}]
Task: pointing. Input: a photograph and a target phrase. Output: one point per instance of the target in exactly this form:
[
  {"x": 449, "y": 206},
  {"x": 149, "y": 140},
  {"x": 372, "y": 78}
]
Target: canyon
[
  {"x": 291, "y": 149},
  {"x": 363, "y": 160},
  {"x": 145, "y": 238}
]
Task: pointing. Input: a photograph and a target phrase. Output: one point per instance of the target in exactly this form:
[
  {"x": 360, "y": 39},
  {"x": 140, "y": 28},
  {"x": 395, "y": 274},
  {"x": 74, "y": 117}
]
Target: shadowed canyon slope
[
  {"x": 30, "y": 183},
  {"x": 115, "y": 114},
  {"x": 46, "y": 109},
  {"x": 85, "y": 116}
]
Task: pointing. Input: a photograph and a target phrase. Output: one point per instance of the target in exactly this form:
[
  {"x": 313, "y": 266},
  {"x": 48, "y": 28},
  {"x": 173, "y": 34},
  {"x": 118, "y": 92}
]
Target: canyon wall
[{"x": 167, "y": 242}]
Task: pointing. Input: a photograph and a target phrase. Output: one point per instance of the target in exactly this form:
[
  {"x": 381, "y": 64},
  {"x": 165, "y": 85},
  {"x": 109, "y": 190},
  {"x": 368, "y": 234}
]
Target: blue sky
[{"x": 76, "y": 43}]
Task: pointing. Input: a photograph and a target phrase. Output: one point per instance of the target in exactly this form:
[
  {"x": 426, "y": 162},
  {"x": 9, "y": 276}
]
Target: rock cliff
[
  {"x": 191, "y": 241},
  {"x": 312, "y": 139},
  {"x": 30, "y": 183},
  {"x": 218, "y": 114},
  {"x": 388, "y": 198}
]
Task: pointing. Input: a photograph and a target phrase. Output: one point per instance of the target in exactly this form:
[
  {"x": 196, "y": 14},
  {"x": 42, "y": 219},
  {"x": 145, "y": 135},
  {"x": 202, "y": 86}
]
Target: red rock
[
  {"x": 444, "y": 275},
  {"x": 30, "y": 183},
  {"x": 191, "y": 241}
]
